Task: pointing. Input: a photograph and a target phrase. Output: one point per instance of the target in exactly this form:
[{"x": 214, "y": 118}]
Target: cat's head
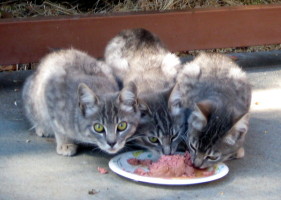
[
  {"x": 215, "y": 134},
  {"x": 108, "y": 120},
  {"x": 162, "y": 125}
]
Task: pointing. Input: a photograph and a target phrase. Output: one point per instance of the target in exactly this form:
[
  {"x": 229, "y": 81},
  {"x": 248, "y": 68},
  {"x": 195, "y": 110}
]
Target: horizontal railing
[{"x": 27, "y": 40}]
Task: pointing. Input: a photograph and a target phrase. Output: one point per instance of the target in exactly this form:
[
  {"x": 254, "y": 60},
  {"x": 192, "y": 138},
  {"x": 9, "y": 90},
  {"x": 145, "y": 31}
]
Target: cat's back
[
  {"x": 132, "y": 43},
  {"x": 139, "y": 50},
  {"x": 69, "y": 63},
  {"x": 214, "y": 75},
  {"x": 57, "y": 78},
  {"x": 213, "y": 66}
]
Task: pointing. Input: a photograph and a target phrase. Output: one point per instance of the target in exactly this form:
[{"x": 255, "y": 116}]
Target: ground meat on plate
[
  {"x": 168, "y": 166},
  {"x": 134, "y": 161}
]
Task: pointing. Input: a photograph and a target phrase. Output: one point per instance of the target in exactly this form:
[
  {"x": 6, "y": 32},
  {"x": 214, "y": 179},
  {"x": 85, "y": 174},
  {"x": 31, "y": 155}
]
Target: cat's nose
[
  {"x": 197, "y": 162},
  {"x": 166, "y": 150},
  {"x": 111, "y": 144}
]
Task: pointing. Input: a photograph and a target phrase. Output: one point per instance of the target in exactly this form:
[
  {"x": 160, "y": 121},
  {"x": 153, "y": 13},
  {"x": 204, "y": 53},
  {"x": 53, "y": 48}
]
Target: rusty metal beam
[{"x": 27, "y": 40}]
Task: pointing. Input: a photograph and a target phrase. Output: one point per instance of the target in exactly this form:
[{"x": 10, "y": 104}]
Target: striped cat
[
  {"x": 162, "y": 125},
  {"x": 219, "y": 95},
  {"x": 76, "y": 98},
  {"x": 138, "y": 55}
]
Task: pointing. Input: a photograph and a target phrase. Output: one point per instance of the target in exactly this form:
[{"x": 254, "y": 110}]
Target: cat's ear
[
  {"x": 88, "y": 101},
  {"x": 239, "y": 129},
  {"x": 175, "y": 97},
  {"x": 144, "y": 110},
  {"x": 128, "y": 98},
  {"x": 201, "y": 113},
  {"x": 205, "y": 107}
]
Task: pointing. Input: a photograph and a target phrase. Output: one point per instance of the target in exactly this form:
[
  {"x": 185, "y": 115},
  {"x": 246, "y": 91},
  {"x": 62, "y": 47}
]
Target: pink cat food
[
  {"x": 134, "y": 161},
  {"x": 169, "y": 166},
  {"x": 102, "y": 170}
]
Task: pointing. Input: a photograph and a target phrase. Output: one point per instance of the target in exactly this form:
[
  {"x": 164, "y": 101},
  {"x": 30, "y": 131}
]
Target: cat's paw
[
  {"x": 40, "y": 132},
  {"x": 66, "y": 149},
  {"x": 240, "y": 153}
]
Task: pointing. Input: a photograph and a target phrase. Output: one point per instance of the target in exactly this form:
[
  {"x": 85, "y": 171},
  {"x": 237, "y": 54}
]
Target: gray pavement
[{"x": 31, "y": 169}]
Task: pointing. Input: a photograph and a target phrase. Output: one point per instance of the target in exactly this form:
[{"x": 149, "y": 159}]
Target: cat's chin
[{"x": 111, "y": 150}]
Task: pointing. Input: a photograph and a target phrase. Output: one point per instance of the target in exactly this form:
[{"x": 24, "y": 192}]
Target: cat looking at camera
[
  {"x": 139, "y": 56},
  {"x": 75, "y": 98}
]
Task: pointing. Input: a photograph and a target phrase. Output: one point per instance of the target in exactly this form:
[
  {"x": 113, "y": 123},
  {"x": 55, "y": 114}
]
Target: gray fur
[
  {"x": 162, "y": 121},
  {"x": 69, "y": 93},
  {"x": 138, "y": 55},
  {"x": 219, "y": 95}
]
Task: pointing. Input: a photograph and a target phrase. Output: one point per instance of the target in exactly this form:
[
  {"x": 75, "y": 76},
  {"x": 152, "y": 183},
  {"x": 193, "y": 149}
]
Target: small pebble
[{"x": 92, "y": 192}]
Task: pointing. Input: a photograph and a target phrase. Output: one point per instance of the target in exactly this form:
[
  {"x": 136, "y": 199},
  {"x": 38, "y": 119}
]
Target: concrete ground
[{"x": 31, "y": 169}]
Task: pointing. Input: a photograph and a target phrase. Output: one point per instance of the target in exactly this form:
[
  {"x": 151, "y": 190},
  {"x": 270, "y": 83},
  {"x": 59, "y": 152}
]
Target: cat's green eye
[
  {"x": 153, "y": 139},
  {"x": 121, "y": 126},
  {"x": 98, "y": 128}
]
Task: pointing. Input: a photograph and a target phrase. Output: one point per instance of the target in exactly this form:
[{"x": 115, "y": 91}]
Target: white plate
[{"x": 119, "y": 165}]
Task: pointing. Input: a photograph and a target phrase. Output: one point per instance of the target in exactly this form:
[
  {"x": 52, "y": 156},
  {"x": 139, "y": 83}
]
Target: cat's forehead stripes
[
  {"x": 163, "y": 121},
  {"x": 109, "y": 111},
  {"x": 217, "y": 127}
]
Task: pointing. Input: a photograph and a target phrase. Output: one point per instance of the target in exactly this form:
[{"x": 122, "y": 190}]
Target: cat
[
  {"x": 140, "y": 56},
  {"x": 217, "y": 92},
  {"x": 162, "y": 125},
  {"x": 135, "y": 52},
  {"x": 75, "y": 98}
]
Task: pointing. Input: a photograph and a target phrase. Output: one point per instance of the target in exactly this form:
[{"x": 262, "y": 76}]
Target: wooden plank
[{"x": 27, "y": 40}]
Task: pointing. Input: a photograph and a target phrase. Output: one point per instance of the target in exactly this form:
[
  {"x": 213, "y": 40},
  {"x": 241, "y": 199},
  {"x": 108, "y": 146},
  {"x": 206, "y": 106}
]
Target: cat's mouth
[
  {"x": 112, "y": 149},
  {"x": 202, "y": 166}
]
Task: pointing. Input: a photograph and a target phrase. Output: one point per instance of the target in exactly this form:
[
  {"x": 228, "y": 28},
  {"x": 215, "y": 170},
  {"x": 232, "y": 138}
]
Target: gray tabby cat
[
  {"x": 219, "y": 95},
  {"x": 138, "y": 55},
  {"x": 75, "y": 97}
]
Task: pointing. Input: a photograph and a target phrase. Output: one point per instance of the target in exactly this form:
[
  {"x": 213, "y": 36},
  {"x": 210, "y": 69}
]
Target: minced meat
[{"x": 168, "y": 166}]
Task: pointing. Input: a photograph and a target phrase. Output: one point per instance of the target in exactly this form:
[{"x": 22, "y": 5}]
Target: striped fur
[
  {"x": 133, "y": 53},
  {"x": 140, "y": 56},
  {"x": 219, "y": 95},
  {"x": 159, "y": 122},
  {"x": 69, "y": 93}
]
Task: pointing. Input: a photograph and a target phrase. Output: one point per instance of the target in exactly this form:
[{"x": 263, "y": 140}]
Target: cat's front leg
[
  {"x": 65, "y": 146},
  {"x": 41, "y": 132},
  {"x": 240, "y": 153}
]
